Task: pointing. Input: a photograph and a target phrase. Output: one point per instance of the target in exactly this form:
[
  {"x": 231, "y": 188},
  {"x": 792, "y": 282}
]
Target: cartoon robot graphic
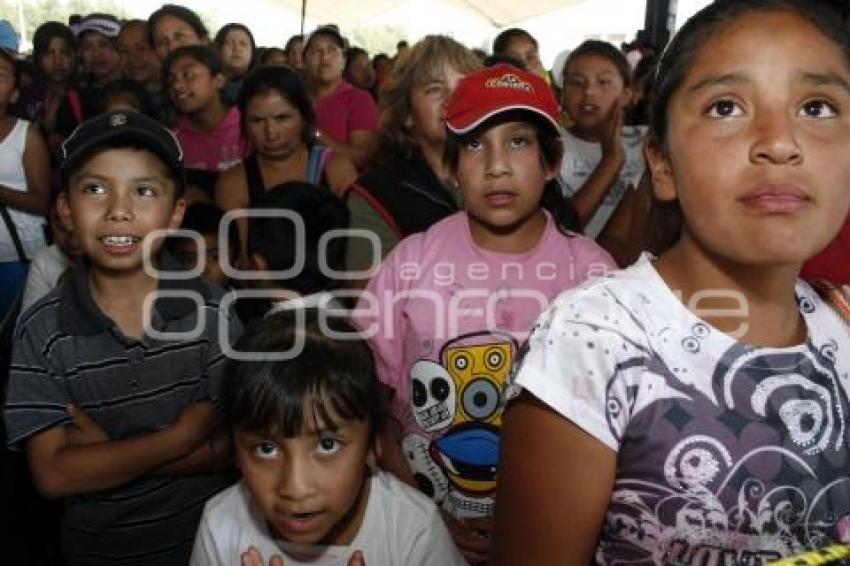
[{"x": 460, "y": 401}]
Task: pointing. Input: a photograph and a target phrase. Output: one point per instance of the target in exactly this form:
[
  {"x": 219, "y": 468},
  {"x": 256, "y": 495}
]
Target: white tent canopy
[{"x": 354, "y": 13}]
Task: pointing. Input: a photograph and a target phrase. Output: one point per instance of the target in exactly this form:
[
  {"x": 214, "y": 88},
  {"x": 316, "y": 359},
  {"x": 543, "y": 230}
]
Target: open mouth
[
  {"x": 120, "y": 243},
  {"x": 299, "y": 522}
]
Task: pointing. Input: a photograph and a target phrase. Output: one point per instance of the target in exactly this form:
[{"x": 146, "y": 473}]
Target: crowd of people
[{"x": 302, "y": 305}]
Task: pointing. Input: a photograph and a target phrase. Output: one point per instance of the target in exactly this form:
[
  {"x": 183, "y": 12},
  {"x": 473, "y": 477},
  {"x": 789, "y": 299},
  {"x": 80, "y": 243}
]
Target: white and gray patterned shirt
[{"x": 726, "y": 453}]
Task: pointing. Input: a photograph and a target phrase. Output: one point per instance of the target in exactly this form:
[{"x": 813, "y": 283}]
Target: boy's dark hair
[
  {"x": 227, "y": 28},
  {"x": 181, "y": 13},
  {"x": 288, "y": 84},
  {"x": 265, "y": 53},
  {"x": 205, "y": 219},
  {"x": 202, "y": 179},
  {"x": 327, "y": 377},
  {"x": 330, "y": 32},
  {"x": 504, "y": 39},
  {"x": 677, "y": 60},
  {"x": 551, "y": 151},
  {"x": 601, "y": 49},
  {"x": 351, "y": 54},
  {"x": 125, "y": 87},
  {"x": 499, "y": 58},
  {"x": 203, "y": 54},
  {"x": 379, "y": 58},
  {"x": 127, "y": 24},
  {"x": 290, "y": 43},
  {"x": 274, "y": 238}
]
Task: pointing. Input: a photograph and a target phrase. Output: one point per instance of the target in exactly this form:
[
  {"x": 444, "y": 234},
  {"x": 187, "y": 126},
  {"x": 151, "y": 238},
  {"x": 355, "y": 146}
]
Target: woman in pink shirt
[
  {"x": 448, "y": 308},
  {"x": 346, "y": 115}
]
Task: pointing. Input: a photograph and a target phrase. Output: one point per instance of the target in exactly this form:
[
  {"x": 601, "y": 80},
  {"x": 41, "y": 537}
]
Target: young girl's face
[
  {"x": 236, "y": 51},
  {"x": 191, "y": 85},
  {"x": 501, "y": 175},
  {"x": 428, "y": 102},
  {"x": 757, "y": 142},
  {"x": 57, "y": 64},
  {"x": 310, "y": 488},
  {"x": 273, "y": 125},
  {"x": 593, "y": 87}
]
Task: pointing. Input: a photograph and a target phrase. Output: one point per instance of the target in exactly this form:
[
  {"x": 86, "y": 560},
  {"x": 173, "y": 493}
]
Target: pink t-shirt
[
  {"x": 448, "y": 318},
  {"x": 346, "y": 109},
  {"x": 216, "y": 150}
]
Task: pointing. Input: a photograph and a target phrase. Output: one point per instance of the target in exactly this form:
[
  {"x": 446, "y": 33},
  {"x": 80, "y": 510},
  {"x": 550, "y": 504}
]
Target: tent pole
[{"x": 659, "y": 22}]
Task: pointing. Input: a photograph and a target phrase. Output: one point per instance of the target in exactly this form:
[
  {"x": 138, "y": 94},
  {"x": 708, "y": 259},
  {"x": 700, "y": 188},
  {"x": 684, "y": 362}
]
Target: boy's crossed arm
[{"x": 80, "y": 458}]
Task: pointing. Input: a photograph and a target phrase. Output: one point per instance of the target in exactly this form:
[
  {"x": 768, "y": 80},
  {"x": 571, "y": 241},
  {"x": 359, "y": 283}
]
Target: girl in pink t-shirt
[
  {"x": 208, "y": 130},
  {"x": 448, "y": 308}
]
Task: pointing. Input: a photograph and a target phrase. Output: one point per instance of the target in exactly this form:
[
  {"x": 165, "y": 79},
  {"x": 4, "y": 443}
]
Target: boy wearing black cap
[{"x": 114, "y": 372}]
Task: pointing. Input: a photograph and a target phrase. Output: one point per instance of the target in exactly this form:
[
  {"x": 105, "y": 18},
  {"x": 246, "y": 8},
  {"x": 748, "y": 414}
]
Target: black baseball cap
[{"x": 122, "y": 129}]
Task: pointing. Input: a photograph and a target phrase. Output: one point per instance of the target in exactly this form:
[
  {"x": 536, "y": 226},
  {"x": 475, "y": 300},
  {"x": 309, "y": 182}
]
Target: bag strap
[
  {"x": 838, "y": 296},
  {"x": 316, "y": 163},
  {"x": 13, "y": 232},
  {"x": 377, "y": 206}
]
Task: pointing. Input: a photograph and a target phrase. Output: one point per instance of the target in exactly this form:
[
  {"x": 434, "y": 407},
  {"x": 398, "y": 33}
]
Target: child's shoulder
[
  {"x": 443, "y": 235},
  {"x": 231, "y": 505},
  {"x": 411, "y": 524},
  {"x": 399, "y": 500},
  {"x": 42, "y": 317},
  {"x": 637, "y": 290}
]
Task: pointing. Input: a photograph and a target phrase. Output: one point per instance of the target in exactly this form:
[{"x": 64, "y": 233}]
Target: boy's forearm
[
  {"x": 595, "y": 188},
  {"x": 26, "y": 201},
  {"x": 72, "y": 469},
  {"x": 214, "y": 455}
]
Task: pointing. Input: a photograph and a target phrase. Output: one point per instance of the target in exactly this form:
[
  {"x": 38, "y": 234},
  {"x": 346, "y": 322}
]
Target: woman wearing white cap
[{"x": 100, "y": 64}]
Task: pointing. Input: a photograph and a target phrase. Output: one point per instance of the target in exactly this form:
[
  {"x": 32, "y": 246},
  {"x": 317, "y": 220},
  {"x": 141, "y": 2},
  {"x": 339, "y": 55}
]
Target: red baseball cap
[{"x": 501, "y": 88}]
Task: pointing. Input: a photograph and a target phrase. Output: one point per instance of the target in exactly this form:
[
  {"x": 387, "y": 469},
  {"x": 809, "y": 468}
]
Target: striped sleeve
[{"x": 36, "y": 396}]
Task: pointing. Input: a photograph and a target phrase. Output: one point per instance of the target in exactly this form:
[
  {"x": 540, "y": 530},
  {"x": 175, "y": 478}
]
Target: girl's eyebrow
[
  {"x": 818, "y": 79},
  {"x": 718, "y": 80},
  {"x": 825, "y": 79}
]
